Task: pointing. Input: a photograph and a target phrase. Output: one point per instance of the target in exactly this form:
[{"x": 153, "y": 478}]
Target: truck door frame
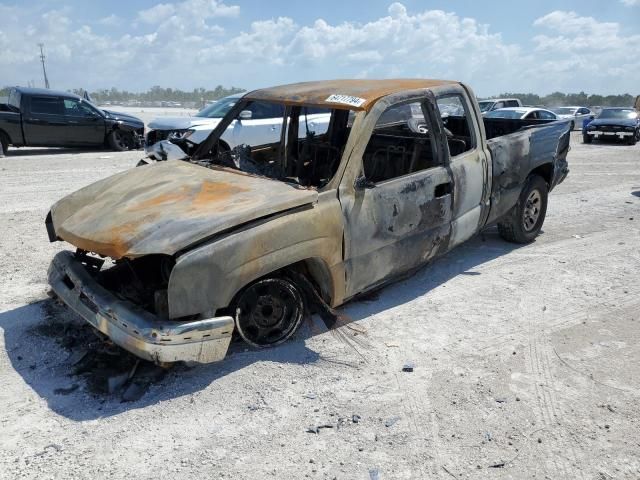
[{"x": 401, "y": 223}]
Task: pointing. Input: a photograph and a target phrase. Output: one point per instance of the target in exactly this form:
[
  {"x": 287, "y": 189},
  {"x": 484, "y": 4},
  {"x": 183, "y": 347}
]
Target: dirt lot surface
[{"x": 526, "y": 360}]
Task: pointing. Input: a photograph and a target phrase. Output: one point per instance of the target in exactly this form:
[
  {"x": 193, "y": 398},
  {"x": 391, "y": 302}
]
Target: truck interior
[{"x": 297, "y": 152}]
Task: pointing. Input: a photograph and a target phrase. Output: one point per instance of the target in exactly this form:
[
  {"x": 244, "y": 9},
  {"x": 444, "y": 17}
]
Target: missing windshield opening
[{"x": 300, "y": 144}]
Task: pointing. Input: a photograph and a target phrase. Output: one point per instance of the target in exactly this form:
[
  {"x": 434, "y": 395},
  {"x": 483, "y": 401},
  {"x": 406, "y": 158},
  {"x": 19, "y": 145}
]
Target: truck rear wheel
[
  {"x": 524, "y": 222},
  {"x": 269, "y": 311}
]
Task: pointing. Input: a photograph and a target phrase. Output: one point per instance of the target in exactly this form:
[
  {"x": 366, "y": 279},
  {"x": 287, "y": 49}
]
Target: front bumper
[
  {"x": 133, "y": 328},
  {"x": 599, "y": 133}
]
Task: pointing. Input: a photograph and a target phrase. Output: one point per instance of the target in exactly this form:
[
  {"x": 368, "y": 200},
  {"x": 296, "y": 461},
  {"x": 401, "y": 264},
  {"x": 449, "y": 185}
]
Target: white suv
[{"x": 257, "y": 125}]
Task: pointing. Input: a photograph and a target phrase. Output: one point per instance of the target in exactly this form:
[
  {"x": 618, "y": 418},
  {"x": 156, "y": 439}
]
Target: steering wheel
[{"x": 417, "y": 126}]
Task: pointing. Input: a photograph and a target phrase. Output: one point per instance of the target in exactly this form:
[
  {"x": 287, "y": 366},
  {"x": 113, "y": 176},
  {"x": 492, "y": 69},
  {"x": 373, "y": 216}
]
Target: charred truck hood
[{"x": 167, "y": 207}]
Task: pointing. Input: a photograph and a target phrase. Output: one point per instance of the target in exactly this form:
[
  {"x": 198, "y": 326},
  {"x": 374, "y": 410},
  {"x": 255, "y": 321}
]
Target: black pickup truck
[{"x": 47, "y": 118}]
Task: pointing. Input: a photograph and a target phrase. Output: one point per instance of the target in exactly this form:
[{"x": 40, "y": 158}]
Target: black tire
[
  {"x": 269, "y": 311},
  {"x": 573, "y": 126},
  {"x": 119, "y": 140},
  {"x": 5, "y": 143},
  {"x": 632, "y": 140},
  {"x": 524, "y": 221},
  {"x": 586, "y": 138}
]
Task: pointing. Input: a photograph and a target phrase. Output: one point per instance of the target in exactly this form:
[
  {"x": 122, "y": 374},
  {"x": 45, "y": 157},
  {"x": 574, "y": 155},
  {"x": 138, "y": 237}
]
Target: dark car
[
  {"x": 614, "y": 124},
  {"x": 49, "y": 118}
]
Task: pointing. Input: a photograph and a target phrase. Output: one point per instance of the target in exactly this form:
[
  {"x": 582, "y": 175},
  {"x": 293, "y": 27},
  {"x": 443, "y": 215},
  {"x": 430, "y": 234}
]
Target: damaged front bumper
[{"x": 133, "y": 328}]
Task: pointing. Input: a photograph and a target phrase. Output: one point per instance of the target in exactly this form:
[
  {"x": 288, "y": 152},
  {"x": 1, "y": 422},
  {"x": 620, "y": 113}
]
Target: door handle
[{"x": 442, "y": 190}]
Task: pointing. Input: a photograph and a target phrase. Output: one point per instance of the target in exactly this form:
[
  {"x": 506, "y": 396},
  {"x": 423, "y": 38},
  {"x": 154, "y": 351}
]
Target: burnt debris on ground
[{"x": 106, "y": 369}]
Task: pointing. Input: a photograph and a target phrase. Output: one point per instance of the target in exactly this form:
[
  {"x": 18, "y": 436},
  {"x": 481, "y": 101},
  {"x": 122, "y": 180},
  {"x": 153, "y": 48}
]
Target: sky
[{"x": 498, "y": 46}]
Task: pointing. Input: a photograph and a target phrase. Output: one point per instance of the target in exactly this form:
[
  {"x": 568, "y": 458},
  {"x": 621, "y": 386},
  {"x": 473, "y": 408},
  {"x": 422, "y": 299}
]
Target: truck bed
[{"x": 541, "y": 145}]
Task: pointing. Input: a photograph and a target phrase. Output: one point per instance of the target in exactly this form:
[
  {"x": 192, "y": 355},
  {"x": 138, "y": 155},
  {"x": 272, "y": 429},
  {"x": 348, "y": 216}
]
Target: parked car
[
  {"x": 575, "y": 114},
  {"x": 48, "y": 118},
  {"x": 487, "y": 106},
  {"x": 174, "y": 257},
  {"x": 523, "y": 113},
  {"x": 256, "y": 124},
  {"x": 614, "y": 124}
]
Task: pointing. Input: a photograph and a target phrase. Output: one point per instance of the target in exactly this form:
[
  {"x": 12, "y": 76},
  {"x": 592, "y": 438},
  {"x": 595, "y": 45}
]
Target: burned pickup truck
[{"x": 174, "y": 258}]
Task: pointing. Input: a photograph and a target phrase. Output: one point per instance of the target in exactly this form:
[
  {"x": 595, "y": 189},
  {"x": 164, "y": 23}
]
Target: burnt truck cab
[
  {"x": 175, "y": 257},
  {"x": 38, "y": 117}
]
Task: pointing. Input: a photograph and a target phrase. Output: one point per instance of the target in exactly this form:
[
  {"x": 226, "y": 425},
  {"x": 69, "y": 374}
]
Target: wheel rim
[
  {"x": 531, "y": 211},
  {"x": 268, "y": 312},
  {"x": 119, "y": 139}
]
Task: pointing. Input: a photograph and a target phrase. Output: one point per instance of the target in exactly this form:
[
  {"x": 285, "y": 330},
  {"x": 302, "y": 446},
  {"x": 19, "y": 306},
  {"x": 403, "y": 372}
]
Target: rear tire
[
  {"x": 119, "y": 140},
  {"x": 524, "y": 221},
  {"x": 632, "y": 140},
  {"x": 586, "y": 138}
]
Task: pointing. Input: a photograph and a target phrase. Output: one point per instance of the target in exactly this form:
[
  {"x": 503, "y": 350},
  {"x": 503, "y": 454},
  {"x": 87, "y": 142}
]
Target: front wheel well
[{"x": 311, "y": 275}]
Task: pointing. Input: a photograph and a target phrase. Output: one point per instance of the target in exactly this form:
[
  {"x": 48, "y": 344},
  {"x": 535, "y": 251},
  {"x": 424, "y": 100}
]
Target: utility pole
[{"x": 44, "y": 71}]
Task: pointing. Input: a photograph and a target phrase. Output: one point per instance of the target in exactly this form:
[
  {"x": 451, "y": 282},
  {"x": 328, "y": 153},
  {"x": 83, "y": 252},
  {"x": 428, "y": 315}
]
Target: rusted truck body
[{"x": 174, "y": 258}]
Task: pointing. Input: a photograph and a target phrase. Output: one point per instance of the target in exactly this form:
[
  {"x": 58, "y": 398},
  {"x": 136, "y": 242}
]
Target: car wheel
[
  {"x": 524, "y": 222},
  {"x": 119, "y": 140},
  {"x": 573, "y": 126},
  {"x": 586, "y": 138},
  {"x": 632, "y": 140},
  {"x": 4, "y": 141},
  {"x": 269, "y": 311}
]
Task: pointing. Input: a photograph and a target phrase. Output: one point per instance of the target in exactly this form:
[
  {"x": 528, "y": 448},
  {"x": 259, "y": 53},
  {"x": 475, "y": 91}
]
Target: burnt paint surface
[
  {"x": 316, "y": 93},
  {"x": 166, "y": 207},
  {"x": 209, "y": 276}
]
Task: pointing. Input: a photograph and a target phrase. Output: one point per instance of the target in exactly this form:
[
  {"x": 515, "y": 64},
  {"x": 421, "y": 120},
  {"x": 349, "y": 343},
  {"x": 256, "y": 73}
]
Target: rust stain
[
  {"x": 161, "y": 200},
  {"x": 212, "y": 192}
]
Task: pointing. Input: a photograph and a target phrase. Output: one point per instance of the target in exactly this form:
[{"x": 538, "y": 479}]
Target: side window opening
[
  {"x": 401, "y": 143},
  {"x": 315, "y": 141},
  {"x": 455, "y": 117},
  {"x": 75, "y": 108},
  {"x": 47, "y": 105}
]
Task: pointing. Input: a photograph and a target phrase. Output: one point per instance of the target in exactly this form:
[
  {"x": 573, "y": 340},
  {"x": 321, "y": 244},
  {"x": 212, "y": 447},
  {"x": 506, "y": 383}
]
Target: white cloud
[
  {"x": 157, "y": 13},
  {"x": 585, "y": 53},
  {"x": 630, "y": 3},
  {"x": 182, "y": 45},
  {"x": 110, "y": 21}
]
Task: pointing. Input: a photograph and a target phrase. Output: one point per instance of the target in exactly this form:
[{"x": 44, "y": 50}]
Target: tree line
[
  {"x": 197, "y": 95},
  {"x": 559, "y": 99},
  {"x": 154, "y": 94}
]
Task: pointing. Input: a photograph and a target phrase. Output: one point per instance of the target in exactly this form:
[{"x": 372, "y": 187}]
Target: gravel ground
[{"x": 526, "y": 358}]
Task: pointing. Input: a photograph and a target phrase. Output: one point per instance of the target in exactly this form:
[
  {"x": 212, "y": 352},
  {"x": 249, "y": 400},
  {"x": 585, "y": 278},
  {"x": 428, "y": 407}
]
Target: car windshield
[
  {"x": 564, "y": 110},
  {"x": 218, "y": 109},
  {"x": 505, "y": 114},
  {"x": 618, "y": 113},
  {"x": 486, "y": 105},
  {"x": 305, "y": 148}
]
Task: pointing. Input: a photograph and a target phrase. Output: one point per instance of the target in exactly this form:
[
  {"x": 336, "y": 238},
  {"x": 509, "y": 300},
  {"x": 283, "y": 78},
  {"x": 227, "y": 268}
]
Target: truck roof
[
  {"x": 355, "y": 94},
  {"x": 45, "y": 91}
]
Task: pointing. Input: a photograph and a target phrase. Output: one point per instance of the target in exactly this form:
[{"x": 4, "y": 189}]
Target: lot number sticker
[{"x": 345, "y": 99}]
